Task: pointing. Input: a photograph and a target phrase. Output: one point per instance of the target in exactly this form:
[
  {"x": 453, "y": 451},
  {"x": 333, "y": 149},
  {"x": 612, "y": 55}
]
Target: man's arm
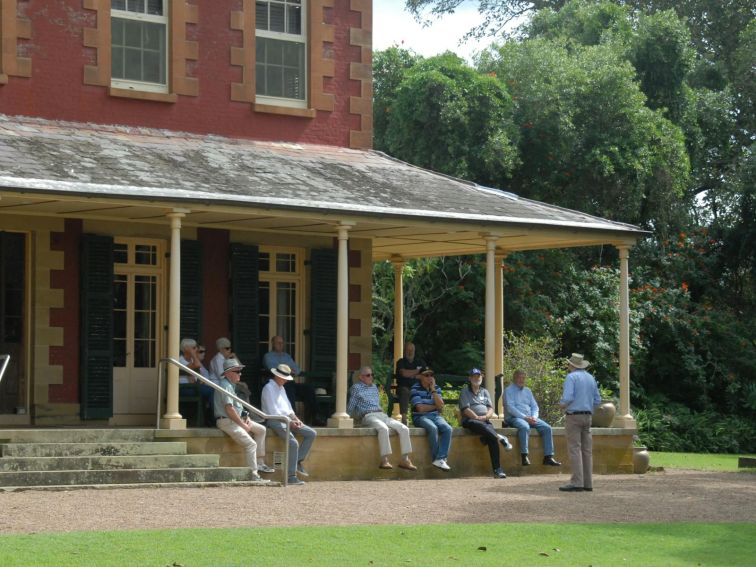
[
  {"x": 511, "y": 395},
  {"x": 533, "y": 405},
  {"x": 233, "y": 416},
  {"x": 352, "y": 405},
  {"x": 568, "y": 393}
]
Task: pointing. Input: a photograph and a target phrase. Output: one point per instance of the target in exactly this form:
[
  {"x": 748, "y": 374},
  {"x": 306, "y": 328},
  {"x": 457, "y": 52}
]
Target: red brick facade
[{"x": 62, "y": 71}]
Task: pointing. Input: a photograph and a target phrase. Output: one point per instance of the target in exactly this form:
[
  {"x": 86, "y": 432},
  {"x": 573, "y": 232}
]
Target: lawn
[
  {"x": 665, "y": 545},
  {"x": 697, "y": 461}
]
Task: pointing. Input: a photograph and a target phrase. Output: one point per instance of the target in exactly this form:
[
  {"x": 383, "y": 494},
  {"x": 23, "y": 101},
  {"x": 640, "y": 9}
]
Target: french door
[{"x": 12, "y": 318}]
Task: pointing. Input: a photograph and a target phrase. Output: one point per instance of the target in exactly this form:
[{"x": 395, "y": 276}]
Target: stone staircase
[{"x": 63, "y": 459}]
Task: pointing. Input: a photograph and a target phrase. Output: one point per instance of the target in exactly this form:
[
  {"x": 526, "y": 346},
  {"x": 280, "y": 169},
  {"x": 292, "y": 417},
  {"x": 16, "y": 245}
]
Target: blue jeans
[
  {"x": 297, "y": 452},
  {"x": 439, "y": 433},
  {"x": 523, "y": 432}
]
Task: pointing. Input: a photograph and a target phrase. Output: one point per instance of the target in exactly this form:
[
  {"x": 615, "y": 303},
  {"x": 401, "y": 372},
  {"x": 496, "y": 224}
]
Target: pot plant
[
  {"x": 603, "y": 415},
  {"x": 641, "y": 458}
]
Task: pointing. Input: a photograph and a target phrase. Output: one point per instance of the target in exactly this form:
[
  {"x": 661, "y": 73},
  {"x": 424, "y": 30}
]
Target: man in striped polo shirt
[{"x": 427, "y": 404}]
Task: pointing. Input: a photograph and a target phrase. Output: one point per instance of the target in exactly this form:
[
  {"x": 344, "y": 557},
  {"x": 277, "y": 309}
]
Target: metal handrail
[
  {"x": 6, "y": 359},
  {"x": 247, "y": 405}
]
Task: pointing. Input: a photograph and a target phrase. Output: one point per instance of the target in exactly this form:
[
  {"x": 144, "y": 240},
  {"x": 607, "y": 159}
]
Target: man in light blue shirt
[
  {"x": 579, "y": 397},
  {"x": 522, "y": 413}
]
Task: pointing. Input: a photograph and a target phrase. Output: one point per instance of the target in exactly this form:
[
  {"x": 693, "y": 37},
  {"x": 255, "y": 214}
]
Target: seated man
[
  {"x": 189, "y": 357},
  {"x": 275, "y": 402},
  {"x": 477, "y": 409},
  {"x": 427, "y": 404},
  {"x": 294, "y": 390},
  {"x": 233, "y": 420},
  {"x": 223, "y": 345},
  {"x": 407, "y": 373},
  {"x": 522, "y": 413},
  {"x": 364, "y": 404}
]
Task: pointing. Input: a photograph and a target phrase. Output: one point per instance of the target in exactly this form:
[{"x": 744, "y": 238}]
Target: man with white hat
[
  {"x": 233, "y": 420},
  {"x": 275, "y": 402},
  {"x": 579, "y": 397}
]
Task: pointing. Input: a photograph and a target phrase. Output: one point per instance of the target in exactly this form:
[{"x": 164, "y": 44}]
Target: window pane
[
  {"x": 261, "y": 15},
  {"x": 155, "y": 7},
  {"x": 119, "y": 324},
  {"x": 275, "y": 81},
  {"x": 119, "y": 292},
  {"x": 264, "y": 262},
  {"x": 283, "y": 63},
  {"x": 136, "y": 6},
  {"x": 152, "y": 72},
  {"x": 132, "y": 33},
  {"x": 120, "y": 253},
  {"x": 119, "y": 353},
  {"x": 144, "y": 354},
  {"x": 286, "y": 262},
  {"x": 144, "y": 293},
  {"x": 118, "y": 4},
  {"x": 146, "y": 254},
  {"x": 133, "y": 65},
  {"x": 277, "y": 18},
  {"x": 294, "y": 20},
  {"x": 138, "y": 51}
]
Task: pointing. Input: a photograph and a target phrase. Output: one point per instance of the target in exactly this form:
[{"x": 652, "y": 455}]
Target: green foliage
[
  {"x": 447, "y": 117},
  {"x": 669, "y": 426},
  {"x": 697, "y": 461},
  {"x": 537, "y": 357}
]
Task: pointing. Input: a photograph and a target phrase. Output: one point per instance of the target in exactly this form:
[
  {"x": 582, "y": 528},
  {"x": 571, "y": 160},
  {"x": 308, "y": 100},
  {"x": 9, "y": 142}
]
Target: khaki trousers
[{"x": 580, "y": 449}]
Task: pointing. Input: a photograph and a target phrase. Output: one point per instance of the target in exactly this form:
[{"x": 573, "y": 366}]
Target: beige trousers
[
  {"x": 254, "y": 444},
  {"x": 580, "y": 449},
  {"x": 382, "y": 422}
]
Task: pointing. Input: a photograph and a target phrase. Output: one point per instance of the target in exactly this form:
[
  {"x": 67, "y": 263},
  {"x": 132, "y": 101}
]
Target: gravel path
[{"x": 670, "y": 496}]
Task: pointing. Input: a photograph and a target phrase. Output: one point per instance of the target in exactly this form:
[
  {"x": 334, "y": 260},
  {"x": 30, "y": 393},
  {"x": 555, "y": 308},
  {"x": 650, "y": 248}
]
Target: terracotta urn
[
  {"x": 603, "y": 415},
  {"x": 641, "y": 459}
]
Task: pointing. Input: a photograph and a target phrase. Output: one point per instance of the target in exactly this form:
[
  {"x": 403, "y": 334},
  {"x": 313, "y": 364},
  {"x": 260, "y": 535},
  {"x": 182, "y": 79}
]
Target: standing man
[
  {"x": 364, "y": 404},
  {"x": 233, "y": 420},
  {"x": 477, "y": 409},
  {"x": 407, "y": 374},
  {"x": 522, "y": 413},
  {"x": 275, "y": 402},
  {"x": 295, "y": 390},
  {"x": 427, "y": 404},
  {"x": 579, "y": 397}
]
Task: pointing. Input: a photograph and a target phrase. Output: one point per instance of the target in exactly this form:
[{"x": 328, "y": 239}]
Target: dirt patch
[{"x": 671, "y": 496}]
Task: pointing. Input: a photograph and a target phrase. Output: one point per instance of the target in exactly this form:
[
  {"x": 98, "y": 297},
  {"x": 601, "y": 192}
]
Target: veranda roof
[{"x": 68, "y": 169}]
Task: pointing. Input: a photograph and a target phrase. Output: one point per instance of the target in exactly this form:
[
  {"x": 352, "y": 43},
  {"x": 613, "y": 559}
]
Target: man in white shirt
[
  {"x": 216, "y": 364},
  {"x": 275, "y": 402}
]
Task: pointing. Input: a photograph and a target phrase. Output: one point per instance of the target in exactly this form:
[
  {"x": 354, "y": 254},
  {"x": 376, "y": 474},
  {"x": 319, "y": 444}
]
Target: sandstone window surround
[
  {"x": 177, "y": 14},
  {"x": 13, "y": 28}
]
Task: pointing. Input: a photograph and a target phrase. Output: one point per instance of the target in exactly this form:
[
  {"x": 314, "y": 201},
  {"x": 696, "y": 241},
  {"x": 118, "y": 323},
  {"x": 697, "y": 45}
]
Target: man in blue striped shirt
[
  {"x": 427, "y": 404},
  {"x": 365, "y": 405},
  {"x": 579, "y": 397}
]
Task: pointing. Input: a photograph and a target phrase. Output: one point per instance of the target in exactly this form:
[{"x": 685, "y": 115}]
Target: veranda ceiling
[{"x": 73, "y": 170}]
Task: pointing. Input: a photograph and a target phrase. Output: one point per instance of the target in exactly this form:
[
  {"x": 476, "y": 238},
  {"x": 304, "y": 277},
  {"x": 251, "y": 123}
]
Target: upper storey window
[
  {"x": 281, "y": 53},
  {"x": 139, "y": 35}
]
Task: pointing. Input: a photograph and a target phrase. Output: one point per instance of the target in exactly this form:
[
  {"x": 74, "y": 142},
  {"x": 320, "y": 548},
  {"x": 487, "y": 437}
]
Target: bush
[
  {"x": 670, "y": 426},
  {"x": 537, "y": 357}
]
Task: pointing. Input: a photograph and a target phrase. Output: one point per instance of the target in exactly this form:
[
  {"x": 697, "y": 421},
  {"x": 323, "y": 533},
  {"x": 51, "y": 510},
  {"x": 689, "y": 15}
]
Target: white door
[{"x": 136, "y": 323}]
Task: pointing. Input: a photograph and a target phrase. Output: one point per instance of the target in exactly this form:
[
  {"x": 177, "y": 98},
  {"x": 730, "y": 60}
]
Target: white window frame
[
  {"x": 143, "y": 85},
  {"x": 293, "y": 38},
  {"x": 272, "y": 277}
]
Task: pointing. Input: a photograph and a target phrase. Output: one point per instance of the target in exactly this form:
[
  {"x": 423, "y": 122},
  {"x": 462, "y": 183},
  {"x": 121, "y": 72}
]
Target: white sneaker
[
  {"x": 505, "y": 442},
  {"x": 263, "y": 468},
  {"x": 446, "y": 465},
  {"x": 441, "y": 464},
  {"x": 257, "y": 478}
]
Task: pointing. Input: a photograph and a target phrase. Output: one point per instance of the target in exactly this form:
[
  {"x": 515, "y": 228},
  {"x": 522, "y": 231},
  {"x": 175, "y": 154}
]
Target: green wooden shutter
[
  {"x": 191, "y": 289},
  {"x": 96, "y": 304},
  {"x": 245, "y": 283},
  {"x": 323, "y": 289}
]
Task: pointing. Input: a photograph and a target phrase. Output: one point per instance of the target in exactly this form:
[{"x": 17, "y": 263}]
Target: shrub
[{"x": 537, "y": 357}]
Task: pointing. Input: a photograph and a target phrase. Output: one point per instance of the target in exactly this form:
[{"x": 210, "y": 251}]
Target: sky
[{"x": 392, "y": 25}]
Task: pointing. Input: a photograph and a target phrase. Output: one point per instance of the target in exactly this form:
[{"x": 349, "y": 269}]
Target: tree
[{"x": 447, "y": 117}]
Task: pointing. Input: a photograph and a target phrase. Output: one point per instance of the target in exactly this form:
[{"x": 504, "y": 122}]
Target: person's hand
[{"x": 531, "y": 420}]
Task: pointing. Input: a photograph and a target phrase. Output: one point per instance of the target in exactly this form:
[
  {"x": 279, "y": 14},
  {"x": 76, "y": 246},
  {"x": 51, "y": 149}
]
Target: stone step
[
  {"x": 76, "y": 435},
  {"x": 90, "y": 463},
  {"x": 67, "y": 487},
  {"x": 91, "y": 449},
  {"x": 31, "y": 479}
]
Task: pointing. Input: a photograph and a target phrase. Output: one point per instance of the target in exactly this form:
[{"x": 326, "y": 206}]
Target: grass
[
  {"x": 665, "y": 545},
  {"x": 697, "y": 461}
]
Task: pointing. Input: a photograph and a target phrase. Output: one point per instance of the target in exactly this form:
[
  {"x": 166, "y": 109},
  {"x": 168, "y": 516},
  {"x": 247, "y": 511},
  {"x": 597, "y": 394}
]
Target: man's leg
[
  {"x": 432, "y": 432},
  {"x": 445, "y": 435},
  {"x": 242, "y": 438},
  {"x": 279, "y": 429},
  {"x": 586, "y": 445},
  {"x": 489, "y": 435},
  {"x": 258, "y": 434},
  {"x": 308, "y": 438},
  {"x": 544, "y": 430},
  {"x": 404, "y": 435},
  {"x": 573, "y": 428},
  {"x": 523, "y": 432},
  {"x": 374, "y": 420}
]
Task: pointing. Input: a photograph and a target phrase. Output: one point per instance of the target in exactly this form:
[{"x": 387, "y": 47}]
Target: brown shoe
[
  {"x": 385, "y": 466},
  {"x": 407, "y": 465}
]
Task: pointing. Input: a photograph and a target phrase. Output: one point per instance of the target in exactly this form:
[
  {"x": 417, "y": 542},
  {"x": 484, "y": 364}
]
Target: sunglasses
[
  {"x": 368, "y": 374},
  {"x": 202, "y": 351}
]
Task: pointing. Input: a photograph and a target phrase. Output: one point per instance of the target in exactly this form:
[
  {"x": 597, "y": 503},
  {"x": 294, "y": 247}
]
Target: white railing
[
  {"x": 249, "y": 407},
  {"x": 4, "y": 365}
]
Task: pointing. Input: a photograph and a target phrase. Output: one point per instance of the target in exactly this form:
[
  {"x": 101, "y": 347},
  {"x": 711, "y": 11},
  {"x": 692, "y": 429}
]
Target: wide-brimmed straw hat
[
  {"x": 578, "y": 361},
  {"x": 282, "y": 371},
  {"x": 232, "y": 364}
]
